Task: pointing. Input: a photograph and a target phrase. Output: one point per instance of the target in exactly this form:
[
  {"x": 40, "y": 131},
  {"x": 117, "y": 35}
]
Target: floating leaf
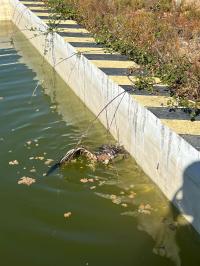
[
  {"x": 132, "y": 195},
  {"x": 41, "y": 158},
  {"x": 145, "y": 209},
  {"x": 113, "y": 197},
  {"x": 83, "y": 180},
  {"x": 48, "y": 161},
  {"x": 67, "y": 214},
  {"x": 25, "y": 180},
  {"x": 14, "y": 162},
  {"x": 116, "y": 201}
]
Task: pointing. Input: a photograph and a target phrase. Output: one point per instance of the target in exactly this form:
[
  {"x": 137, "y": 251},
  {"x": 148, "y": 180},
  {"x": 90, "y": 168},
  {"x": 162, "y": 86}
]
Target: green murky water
[{"x": 119, "y": 217}]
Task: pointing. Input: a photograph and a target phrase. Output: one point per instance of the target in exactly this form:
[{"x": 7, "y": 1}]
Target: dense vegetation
[{"x": 164, "y": 39}]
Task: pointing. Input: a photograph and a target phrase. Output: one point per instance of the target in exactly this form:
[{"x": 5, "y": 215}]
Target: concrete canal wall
[
  {"x": 171, "y": 162},
  {"x": 5, "y": 10}
]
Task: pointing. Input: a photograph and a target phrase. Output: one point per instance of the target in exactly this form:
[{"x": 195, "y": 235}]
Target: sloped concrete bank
[{"x": 171, "y": 162}]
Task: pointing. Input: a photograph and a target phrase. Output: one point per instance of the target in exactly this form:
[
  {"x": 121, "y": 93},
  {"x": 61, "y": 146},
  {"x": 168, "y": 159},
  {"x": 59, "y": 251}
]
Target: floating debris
[
  {"x": 113, "y": 197},
  {"x": 10, "y": 151},
  {"x": 132, "y": 195},
  {"x": 1, "y": 98},
  {"x": 31, "y": 158},
  {"x": 29, "y": 142},
  {"x": 93, "y": 187},
  {"x": 67, "y": 214},
  {"x": 25, "y": 180},
  {"x": 41, "y": 158},
  {"x": 48, "y": 161},
  {"x": 101, "y": 183},
  {"x": 83, "y": 180},
  {"x": 33, "y": 170},
  {"x": 124, "y": 205},
  {"x": 145, "y": 209},
  {"x": 14, "y": 162},
  {"x": 116, "y": 201}
]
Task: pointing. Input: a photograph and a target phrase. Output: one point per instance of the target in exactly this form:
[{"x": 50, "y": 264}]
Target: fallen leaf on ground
[
  {"x": 67, "y": 214},
  {"x": 25, "y": 180},
  {"x": 14, "y": 162}
]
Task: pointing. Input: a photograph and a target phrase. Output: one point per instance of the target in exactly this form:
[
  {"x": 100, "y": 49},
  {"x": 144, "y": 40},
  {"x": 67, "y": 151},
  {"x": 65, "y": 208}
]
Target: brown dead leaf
[
  {"x": 67, "y": 214},
  {"x": 14, "y": 162},
  {"x": 48, "y": 161},
  {"x": 83, "y": 180},
  {"x": 25, "y": 180}
]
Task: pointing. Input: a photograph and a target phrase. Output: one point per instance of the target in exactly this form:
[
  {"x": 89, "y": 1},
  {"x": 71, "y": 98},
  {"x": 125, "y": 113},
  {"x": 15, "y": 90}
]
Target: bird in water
[{"x": 104, "y": 155}]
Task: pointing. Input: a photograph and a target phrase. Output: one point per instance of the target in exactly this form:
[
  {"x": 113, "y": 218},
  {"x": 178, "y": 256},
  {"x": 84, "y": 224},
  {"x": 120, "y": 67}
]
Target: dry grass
[{"x": 162, "y": 37}]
